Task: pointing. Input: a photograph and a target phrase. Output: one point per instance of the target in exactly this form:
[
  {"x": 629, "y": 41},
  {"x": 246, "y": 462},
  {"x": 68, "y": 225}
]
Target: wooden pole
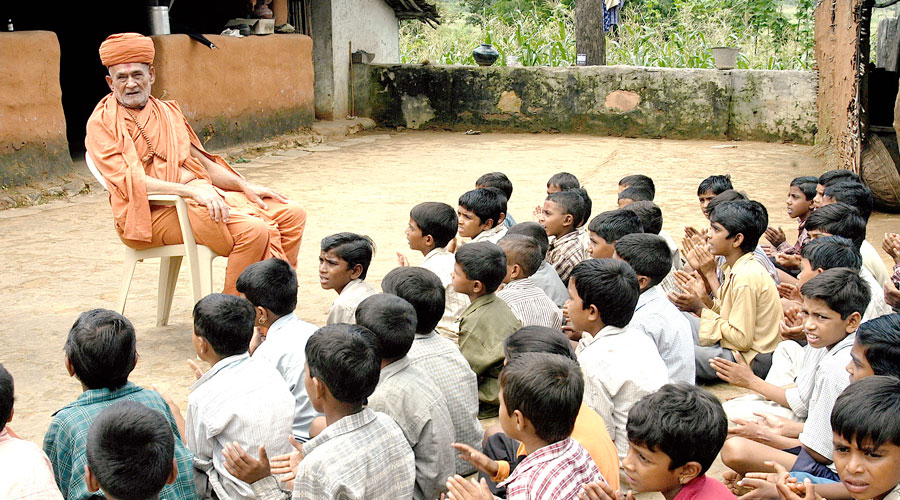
[{"x": 590, "y": 41}]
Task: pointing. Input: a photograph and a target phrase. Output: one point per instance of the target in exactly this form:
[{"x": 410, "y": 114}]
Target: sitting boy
[
  {"x": 711, "y": 187},
  {"x": 432, "y": 226},
  {"x": 652, "y": 221},
  {"x": 561, "y": 215},
  {"x": 801, "y": 193},
  {"x": 407, "y": 395},
  {"x": 480, "y": 215},
  {"x": 130, "y": 452},
  {"x": 620, "y": 364},
  {"x": 840, "y": 219},
  {"x": 539, "y": 402},
  {"x": 437, "y": 357},
  {"x": 528, "y": 302},
  {"x": 480, "y": 268},
  {"x": 27, "y": 473},
  {"x": 271, "y": 286},
  {"x": 832, "y": 303},
  {"x": 498, "y": 180},
  {"x": 101, "y": 351},
  {"x": 632, "y": 194},
  {"x": 674, "y": 436},
  {"x": 637, "y": 180},
  {"x": 607, "y": 227},
  {"x": 831, "y": 177},
  {"x": 239, "y": 399},
  {"x": 742, "y": 320},
  {"x": 876, "y": 350},
  {"x": 654, "y": 315},
  {"x": 545, "y": 277},
  {"x": 361, "y": 454},
  {"x": 343, "y": 264}
]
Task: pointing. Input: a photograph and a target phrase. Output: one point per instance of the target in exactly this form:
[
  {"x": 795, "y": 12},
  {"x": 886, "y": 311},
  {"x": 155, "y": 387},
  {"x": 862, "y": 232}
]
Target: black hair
[
  {"x": 854, "y": 194},
  {"x": 392, "y": 320},
  {"x": 485, "y": 203},
  {"x": 534, "y": 230},
  {"x": 636, "y": 193},
  {"x": 838, "y": 219},
  {"x": 866, "y": 412},
  {"x": 830, "y": 177},
  {"x": 436, "y": 219},
  {"x": 807, "y": 185},
  {"x": 588, "y": 205},
  {"x": 497, "y": 180},
  {"x": 564, "y": 181},
  {"x": 613, "y": 224},
  {"x": 683, "y": 421},
  {"x": 522, "y": 250},
  {"x": 727, "y": 195},
  {"x": 226, "y": 322},
  {"x": 421, "y": 288},
  {"x": 842, "y": 289},
  {"x": 547, "y": 389},
  {"x": 746, "y": 217},
  {"x": 538, "y": 339},
  {"x": 832, "y": 251},
  {"x": 650, "y": 215},
  {"x": 130, "y": 449},
  {"x": 715, "y": 184},
  {"x": 353, "y": 248},
  {"x": 611, "y": 286},
  {"x": 102, "y": 349},
  {"x": 7, "y": 395},
  {"x": 271, "y": 283},
  {"x": 647, "y": 254},
  {"x": 483, "y": 261},
  {"x": 880, "y": 337},
  {"x": 639, "y": 180},
  {"x": 571, "y": 202},
  {"x": 347, "y": 359}
]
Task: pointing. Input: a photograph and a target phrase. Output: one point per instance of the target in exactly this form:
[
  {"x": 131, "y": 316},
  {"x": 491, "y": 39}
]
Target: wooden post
[{"x": 589, "y": 37}]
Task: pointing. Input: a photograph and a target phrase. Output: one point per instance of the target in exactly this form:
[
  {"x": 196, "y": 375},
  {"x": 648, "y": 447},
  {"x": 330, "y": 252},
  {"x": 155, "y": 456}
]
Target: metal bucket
[{"x": 159, "y": 20}]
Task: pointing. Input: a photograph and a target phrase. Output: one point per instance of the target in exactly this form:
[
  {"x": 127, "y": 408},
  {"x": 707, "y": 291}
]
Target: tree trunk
[{"x": 590, "y": 41}]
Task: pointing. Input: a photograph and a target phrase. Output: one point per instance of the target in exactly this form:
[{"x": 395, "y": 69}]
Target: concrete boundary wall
[
  {"x": 33, "y": 144},
  {"x": 604, "y": 100}
]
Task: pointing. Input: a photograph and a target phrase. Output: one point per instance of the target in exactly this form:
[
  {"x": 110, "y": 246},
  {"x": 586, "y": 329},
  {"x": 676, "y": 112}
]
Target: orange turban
[{"x": 124, "y": 48}]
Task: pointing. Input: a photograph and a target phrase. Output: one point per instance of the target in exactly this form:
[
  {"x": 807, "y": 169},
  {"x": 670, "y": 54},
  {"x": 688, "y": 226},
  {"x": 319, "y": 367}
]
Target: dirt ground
[{"x": 62, "y": 258}]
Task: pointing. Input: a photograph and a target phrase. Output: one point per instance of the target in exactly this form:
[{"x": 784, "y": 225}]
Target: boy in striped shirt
[{"x": 525, "y": 299}]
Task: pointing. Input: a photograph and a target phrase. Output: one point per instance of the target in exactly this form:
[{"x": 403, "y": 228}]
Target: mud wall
[
  {"x": 245, "y": 90},
  {"x": 605, "y": 100},
  {"x": 33, "y": 143}
]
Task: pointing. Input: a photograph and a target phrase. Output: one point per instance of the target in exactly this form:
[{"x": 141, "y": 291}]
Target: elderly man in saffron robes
[{"x": 143, "y": 146}]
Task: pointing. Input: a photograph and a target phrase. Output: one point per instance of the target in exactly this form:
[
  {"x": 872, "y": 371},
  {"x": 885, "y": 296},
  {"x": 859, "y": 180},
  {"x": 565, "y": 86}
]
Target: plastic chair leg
[
  {"x": 127, "y": 274},
  {"x": 168, "y": 277},
  {"x": 206, "y": 257}
]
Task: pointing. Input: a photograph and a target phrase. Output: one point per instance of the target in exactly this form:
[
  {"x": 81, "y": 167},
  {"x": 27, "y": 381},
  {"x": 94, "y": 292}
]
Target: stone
[
  {"x": 622, "y": 100},
  {"x": 509, "y": 102},
  {"x": 55, "y": 191},
  {"x": 74, "y": 187},
  {"x": 417, "y": 111}
]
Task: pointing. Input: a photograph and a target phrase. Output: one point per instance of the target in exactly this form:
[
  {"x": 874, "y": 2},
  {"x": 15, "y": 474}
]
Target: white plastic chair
[{"x": 199, "y": 257}]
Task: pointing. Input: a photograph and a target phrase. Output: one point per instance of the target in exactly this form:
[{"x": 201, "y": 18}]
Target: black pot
[{"x": 485, "y": 54}]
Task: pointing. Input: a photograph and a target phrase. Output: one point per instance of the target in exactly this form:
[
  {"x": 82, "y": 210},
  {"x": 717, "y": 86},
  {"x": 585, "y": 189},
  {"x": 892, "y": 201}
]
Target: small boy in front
[
  {"x": 343, "y": 263},
  {"x": 130, "y": 452},
  {"x": 674, "y": 436},
  {"x": 101, "y": 351},
  {"x": 654, "y": 315},
  {"x": 271, "y": 286},
  {"x": 545, "y": 277},
  {"x": 606, "y": 228},
  {"x": 498, "y": 180},
  {"x": 742, "y": 320},
  {"x": 361, "y": 454},
  {"x": 832, "y": 304},
  {"x": 407, "y": 395},
  {"x": 239, "y": 399},
  {"x": 432, "y": 226},
  {"x": 620, "y": 364},
  {"x": 480, "y": 269},
  {"x": 480, "y": 215},
  {"x": 27, "y": 473},
  {"x": 528, "y": 302},
  {"x": 561, "y": 215},
  {"x": 540, "y": 397},
  {"x": 439, "y": 358}
]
